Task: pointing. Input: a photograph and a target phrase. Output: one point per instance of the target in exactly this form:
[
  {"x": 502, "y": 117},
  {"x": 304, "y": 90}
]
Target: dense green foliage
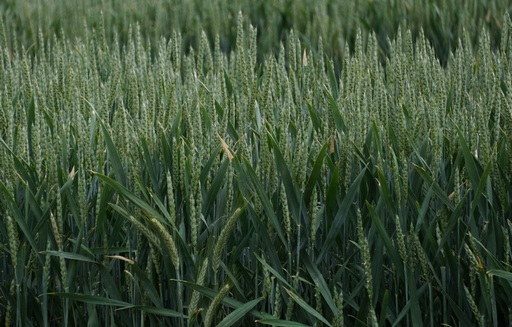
[
  {"x": 335, "y": 22},
  {"x": 147, "y": 182}
]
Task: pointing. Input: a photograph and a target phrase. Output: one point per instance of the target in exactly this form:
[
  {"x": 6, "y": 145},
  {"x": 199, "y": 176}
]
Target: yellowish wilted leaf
[
  {"x": 225, "y": 147},
  {"x": 130, "y": 261}
]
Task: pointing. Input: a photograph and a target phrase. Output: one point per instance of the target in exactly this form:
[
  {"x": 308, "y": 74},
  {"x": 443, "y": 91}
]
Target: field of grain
[{"x": 174, "y": 163}]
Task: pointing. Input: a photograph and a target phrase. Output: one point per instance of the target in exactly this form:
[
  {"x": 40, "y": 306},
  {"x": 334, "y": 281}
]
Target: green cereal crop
[{"x": 236, "y": 164}]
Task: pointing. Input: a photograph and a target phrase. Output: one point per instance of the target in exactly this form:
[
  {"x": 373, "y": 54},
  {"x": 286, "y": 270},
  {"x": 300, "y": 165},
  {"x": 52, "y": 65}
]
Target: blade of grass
[
  {"x": 336, "y": 114},
  {"x": 92, "y": 299},
  {"x": 470, "y": 163},
  {"x": 291, "y": 190},
  {"x": 479, "y": 191},
  {"x": 416, "y": 316},
  {"x": 280, "y": 323},
  {"x": 315, "y": 120},
  {"x": 307, "y": 307},
  {"x": 341, "y": 216},
  {"x": 503, "y": 274},
  {"x": 435, "y": 186},
  {"x": 239, "y": 313},
  {"x": 381, "y": 229},
  {"x": 69, "y": 255},
  {"x": 18, "y": 217},
  {"x": 146, "y": 285},
  {"x": 214, "y": 188},
  {"x": 262, "y": 194},
  {"x": 117, "y": 166},
  {"x": 316, "y": 170},
  {"x": 274, "y": 272},
  {"x": 154, "y": 310},
  {"x": 319, "y": 281}
]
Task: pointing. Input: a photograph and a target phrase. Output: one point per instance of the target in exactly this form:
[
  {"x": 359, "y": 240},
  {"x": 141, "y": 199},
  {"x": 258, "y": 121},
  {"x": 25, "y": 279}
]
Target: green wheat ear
[
  {"x": 215, "y": 303},
  {"x": 223, "y": 239},
  {"x": 194, "y": 300}
]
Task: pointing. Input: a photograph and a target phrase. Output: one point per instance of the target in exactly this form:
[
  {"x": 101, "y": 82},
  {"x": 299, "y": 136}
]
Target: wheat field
[{"x": 233, "y": 165}]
